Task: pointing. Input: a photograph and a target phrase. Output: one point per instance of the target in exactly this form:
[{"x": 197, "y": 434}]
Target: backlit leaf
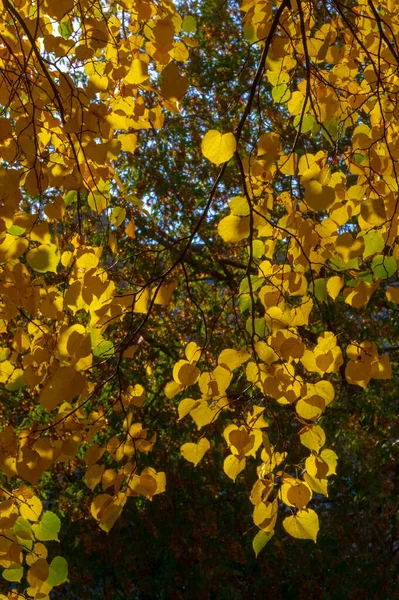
[
  {"x": 303, "y": 525},
  {"x": 218, "y": 147}
]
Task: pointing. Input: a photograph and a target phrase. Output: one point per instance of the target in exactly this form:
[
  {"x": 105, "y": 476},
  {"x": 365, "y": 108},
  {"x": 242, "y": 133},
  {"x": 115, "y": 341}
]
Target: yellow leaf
[
  {"x": 234, "y": 229},
  {"x": 164, "y": 294},
  {"x": 202, "y": 414},
  {"x": 310, "y": 408},
  {"x": 141, "y": 301},
  {"x": 189, "y": 24},
  {"x": 233, "y": 466},
  {"x": 185, "y": 373},
  {"x": 334, "y": 286},
  {"x": 195, "y": 452},
  {"x": 186, "y": 406},
  {"x": 93, "y": 476},
  {"x": 31, "y": 509},
  {"x": 128, "y": 141},
  {"x": 117, "y": 216},
  {"x": 233, "y": 358},
  {"x": 295, "y": 493},
  {"x": 44, "y": 258},
  {"x": 312, "y": 437},
  {"x": 192, "y": 352},
  {"x": 74, "y": 342},
  {"x": 304, "y": 525},
  {"x": 317, "y": 196},
  {"x": 358, "y": 373},
  {"x": 218, "y": 147},
  {"x": 331, "y": 459},
  {"x": 138, "y": 72},
  {"x": 265, "y": 515},
  {"x": 174, "y": 85},
  {"x": 317, "y": 485}
]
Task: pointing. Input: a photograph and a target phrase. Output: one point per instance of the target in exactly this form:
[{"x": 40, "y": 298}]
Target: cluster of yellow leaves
[
  {"x": 338, "y": 226},
  {"x": 84, "y": 74}
]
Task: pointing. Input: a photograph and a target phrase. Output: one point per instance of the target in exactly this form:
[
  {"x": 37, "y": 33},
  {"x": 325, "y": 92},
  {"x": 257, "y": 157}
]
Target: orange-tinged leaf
[
  {"x": 304, "y": 525},
  {"x": 131, "y": 229},
  {"x": 195, "y": 452},
  {"x": 218, "y": 147},
  {"x": 392, "y": 294}
]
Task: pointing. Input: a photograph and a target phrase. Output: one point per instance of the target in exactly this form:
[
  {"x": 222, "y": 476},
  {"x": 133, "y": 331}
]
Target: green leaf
[
  {"x": 189, "y": 24},
  {"x": 70, "y": 197},
  {"x": 359, "y": 158},
  {"x": 103, "y": 348},
  {"x": 320, "y": 289},
  {"x": 16, "y": 230},
  {"x": 307, "y": 123},
  {"x": 383, "y": 267},
  {"x": 244, "y": 302},
  {"x": 256, "y": 283},
  {"x": 261, "y": 328},
  {"x": 65, "y": 29},
  {"x": 373, "y": 243},
  {"x": 260, "y": 540},
  {"x": 48, "y": 528},
  {"x": 281, "y": 93},
  {"x": 58, "y": 571},
  {"x": 13, "y": 573}
]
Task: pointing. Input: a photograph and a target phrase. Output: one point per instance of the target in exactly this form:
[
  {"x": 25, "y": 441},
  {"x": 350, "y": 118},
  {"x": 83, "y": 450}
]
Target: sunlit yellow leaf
[
  {"x": 195, "y": 452},
  {"x": 304, "y": 525},
  {"x": 234, "y": 229},
  {"x": 233, "y": 466},
  {"x": 334, "y": 286},
  {"x": 313, "y": 437},
  {"x": 138, "y": 72},
  {"x": 295, "y": 493},
  {"x": 31, "y": 509},
  {"x": 218, "y": 147}
]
